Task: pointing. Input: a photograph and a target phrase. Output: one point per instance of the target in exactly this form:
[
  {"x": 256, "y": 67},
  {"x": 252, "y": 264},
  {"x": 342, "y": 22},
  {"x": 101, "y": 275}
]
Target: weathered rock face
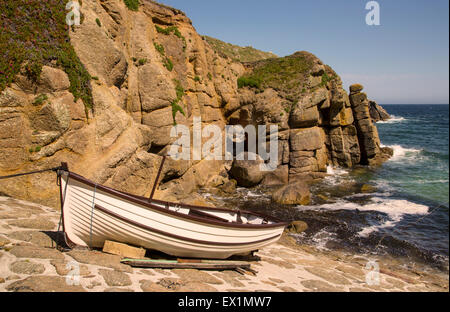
[
  {"x": 370, "y": 145},
  {"x": 378, "y": 113},
  {"x": 139, "y": 72},
  {"x": 324, "y": 125},
  {"x": 152, "y": 70}
]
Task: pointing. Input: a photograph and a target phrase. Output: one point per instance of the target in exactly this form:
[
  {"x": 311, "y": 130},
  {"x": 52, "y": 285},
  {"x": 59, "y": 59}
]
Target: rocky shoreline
[{"x": 29, "y": 261}]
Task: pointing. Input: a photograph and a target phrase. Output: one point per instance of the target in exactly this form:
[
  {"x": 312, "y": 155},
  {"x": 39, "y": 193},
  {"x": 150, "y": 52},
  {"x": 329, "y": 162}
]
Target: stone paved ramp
[{"x": 29, "y": 262}]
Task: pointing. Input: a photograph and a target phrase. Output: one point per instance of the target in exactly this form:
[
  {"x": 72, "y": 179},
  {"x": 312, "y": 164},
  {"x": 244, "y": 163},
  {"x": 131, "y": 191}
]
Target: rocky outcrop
[
  {"x": 378, "y": 113},
  {"x": 371, "y": 151},
  {"x": 150, "y": 70},
  {"x": 319, "y": 123}
]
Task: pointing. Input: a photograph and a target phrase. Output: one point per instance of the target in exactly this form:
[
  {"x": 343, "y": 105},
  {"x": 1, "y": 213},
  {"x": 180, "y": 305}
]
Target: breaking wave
[{"x": 394, "y": 119}]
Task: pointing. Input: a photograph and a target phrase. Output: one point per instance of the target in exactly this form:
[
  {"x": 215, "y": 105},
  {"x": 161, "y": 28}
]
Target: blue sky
[{"x": 405, "y": 60}]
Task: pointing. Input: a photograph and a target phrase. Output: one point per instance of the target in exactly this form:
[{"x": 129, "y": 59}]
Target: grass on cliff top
[
  {"x": 237, "y": 53},
  {"x": 284, "y": 74},
  {"x": 34, "y": 33}
]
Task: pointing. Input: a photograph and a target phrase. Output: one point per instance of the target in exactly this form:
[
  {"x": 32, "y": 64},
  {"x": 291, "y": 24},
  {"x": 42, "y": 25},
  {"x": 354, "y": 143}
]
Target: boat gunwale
[{"x": 144, "y": 202}]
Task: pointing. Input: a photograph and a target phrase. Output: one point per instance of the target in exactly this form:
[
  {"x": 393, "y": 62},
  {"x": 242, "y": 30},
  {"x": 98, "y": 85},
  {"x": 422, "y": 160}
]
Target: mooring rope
[{"x": 28, "y": 173}]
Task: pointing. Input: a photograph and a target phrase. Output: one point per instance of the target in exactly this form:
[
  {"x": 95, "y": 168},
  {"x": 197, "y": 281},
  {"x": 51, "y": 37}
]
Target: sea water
[{"x": 407, "y": 213}]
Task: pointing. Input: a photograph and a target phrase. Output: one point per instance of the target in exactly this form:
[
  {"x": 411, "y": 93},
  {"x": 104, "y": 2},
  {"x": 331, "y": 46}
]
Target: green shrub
[
  {"x": 36, "y": 149},
  {"x": 160, "y": 48},
  {"x": 142, "y": 61},
  {"x": 79, "y": 77},
  {"x": 210, "y": 76},
  {"x": 172, "y": 29},
  {"x": 175, "y": 106},
  {"x": 325, "y": 80},
  {"x": 98, "y": 22},
  {"x": 133, "y": 5},
  {"x": 197, "y": 79},
  {"x": 33, "y": 69},
  {"x": 168, "y": 64},
  {"x": 39, "y": 100},
  {"x": 251, "y": 82}
]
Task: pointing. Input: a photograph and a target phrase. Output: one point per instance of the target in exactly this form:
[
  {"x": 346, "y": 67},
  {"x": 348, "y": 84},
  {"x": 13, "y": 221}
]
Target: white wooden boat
[{"x": 92, "y": 214}]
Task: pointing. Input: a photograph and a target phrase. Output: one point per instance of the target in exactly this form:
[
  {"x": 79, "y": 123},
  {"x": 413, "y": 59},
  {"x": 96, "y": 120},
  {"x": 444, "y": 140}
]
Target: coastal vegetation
[
  {"x": 142, "y": 61},
  {"x": 34, "y": 34},
  {"x": 133, "y": 5},
  {"x": 172, "y": 29},
  {"x": 237, "y": 53},
  {"x": 167, "y": 62},
  {"x": 175, "y": 103},
  {"x": 160, "y": 48},
  {"x": 40, "y": 99},
  {"x": 279, "y": 74}
]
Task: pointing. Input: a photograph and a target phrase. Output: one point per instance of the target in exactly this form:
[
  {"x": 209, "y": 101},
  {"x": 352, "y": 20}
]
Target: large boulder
[
  {"x": 247, "y": 172},
  {"x": 53, "y": 79},
  {"x": 292, "y": 194},
  {"x": 54, "y": 115},
  {"x": 297, "y": 227}
]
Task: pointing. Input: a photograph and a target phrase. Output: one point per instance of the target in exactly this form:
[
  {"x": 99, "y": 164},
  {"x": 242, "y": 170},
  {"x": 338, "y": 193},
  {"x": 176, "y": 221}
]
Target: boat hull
[{"x": 93, "y": 214}]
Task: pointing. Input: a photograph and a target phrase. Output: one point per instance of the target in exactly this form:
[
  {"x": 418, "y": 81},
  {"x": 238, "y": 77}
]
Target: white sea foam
[
  {"x": 319, "y": 239},
  {"x": 391, "y": 207},
  {"x": 336, "y": 171},
  {"x": 394, "y": 119},
  {"x": 401, "y": 153},
  {"x": 430, "y": 181},
  {"x": 335, "y": 175},
  {"x": 374, "y": 228},
  {"x": 251, "y": 194},
  {"x": 396, "y": 209}
]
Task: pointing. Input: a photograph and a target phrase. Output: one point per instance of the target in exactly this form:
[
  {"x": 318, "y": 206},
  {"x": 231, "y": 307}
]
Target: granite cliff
[{"x": 106, "y": 100}]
